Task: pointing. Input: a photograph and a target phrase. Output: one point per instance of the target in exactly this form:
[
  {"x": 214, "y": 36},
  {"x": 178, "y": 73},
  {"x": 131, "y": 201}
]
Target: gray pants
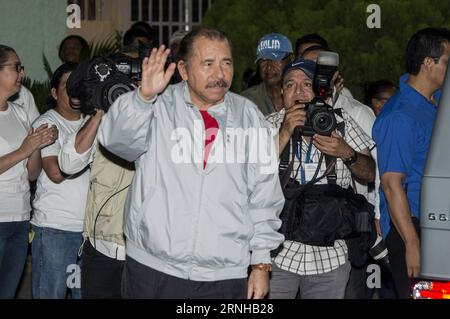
[{"x": 331, "y": 285}]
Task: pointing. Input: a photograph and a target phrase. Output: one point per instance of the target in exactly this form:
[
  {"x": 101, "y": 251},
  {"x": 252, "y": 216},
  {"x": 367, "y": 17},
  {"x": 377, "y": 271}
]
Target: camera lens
[
  {"x": 115, "y": 91},
  {"x": 323, "y": 123},
  {"x": 378, "y": 250},
  {"x": 380, "y": 254}
]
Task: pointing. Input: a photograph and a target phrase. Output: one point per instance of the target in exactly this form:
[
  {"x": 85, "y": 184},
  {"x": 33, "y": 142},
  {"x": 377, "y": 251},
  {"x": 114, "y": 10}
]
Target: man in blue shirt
[{"x": 403, "y": 133}]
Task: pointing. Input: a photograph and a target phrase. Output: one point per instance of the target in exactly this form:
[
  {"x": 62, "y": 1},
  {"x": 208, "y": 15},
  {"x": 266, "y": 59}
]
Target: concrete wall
[
  {"x": 115, "y": 15},
  {"x": 34, "y": 28}
]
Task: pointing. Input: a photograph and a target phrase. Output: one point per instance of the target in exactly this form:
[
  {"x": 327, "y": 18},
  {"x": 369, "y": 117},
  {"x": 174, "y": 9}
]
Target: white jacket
[{"x": 203, "y": 225}]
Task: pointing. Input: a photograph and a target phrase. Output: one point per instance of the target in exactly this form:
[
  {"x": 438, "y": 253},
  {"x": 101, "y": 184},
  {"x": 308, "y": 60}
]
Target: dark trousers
[
  {"x": 396, "y": 248},
  {"x": 142, "y": 282},
  {"x": 356, "y": 286},
  {"x": 101, "y": 276}
]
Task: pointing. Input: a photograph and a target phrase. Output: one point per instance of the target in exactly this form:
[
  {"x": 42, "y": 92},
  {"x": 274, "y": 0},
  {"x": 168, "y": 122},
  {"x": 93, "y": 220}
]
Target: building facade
[
  {"x": 36, "y": 27},
  {"x": 101, "y": 18}
]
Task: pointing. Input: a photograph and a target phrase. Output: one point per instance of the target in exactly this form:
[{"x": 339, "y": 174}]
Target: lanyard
[{"x": 308, "y": 160}]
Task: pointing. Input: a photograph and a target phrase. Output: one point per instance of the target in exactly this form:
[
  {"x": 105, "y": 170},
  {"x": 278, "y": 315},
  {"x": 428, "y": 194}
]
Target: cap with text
[{"x": 273, "y": 46}]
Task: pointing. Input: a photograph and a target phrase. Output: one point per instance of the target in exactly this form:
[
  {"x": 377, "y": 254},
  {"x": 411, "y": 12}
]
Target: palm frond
[
  {"x": 47, "y": 67},
  {"x": 109, "y": 45},
  {"x": 40, "y": 91}
]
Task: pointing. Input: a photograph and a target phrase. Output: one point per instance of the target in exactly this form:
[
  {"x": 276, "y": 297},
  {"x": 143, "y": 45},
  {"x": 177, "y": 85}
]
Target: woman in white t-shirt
[
  {"x": 59, "y": 204},
  {"x": 19, "y": 163}
]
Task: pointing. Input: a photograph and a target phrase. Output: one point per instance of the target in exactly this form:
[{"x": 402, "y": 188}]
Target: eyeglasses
[{"x": 19, "y": 67}]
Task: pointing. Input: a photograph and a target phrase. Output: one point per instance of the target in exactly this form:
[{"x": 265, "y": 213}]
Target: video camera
[
  {"x": 133, "y": 67},
  {"x": 98, "y": 82},
  {"x": 320, "y": 116}
]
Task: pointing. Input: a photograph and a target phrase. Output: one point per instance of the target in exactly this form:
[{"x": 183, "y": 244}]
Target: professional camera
[
  {"x": 133, "y": 67},
  {"x": 320, "y": 118},
  {"x": 320, "y": 115},
  {"x": 97, "y": 83},
  {"x": 326, "y": 67}
]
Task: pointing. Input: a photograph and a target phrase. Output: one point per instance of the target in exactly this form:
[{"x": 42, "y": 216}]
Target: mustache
[{"x": 218, "y": 83}]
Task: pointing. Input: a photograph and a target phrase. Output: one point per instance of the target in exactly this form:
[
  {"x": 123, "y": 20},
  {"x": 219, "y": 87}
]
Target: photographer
[
  {"x": 364, "y": 117},
  {"x": 318, "y": 271},
  {"x": 103, "y": 250}
]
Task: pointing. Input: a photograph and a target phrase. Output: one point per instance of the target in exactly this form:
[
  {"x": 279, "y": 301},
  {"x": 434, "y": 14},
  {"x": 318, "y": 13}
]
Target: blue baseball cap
[
  {"x": 273, "y": 46},
  {"x": 307, "y": 66}
]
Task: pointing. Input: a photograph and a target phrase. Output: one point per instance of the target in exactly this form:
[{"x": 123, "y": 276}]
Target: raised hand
[
  {"x": 154, "y": 77},
  {"x": 38, "y": 139},
  {"x": 337, "y": 81}
]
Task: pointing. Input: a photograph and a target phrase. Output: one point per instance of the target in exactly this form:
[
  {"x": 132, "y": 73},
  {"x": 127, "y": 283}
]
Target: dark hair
[
  {"x": 132, "y": 34},
  {"x": 374, "y": 90},
  {"x": 311, "y": 38},
  {"x": 56, "y": 79},
  {"x": 4, "y": 50},
  {"x": 187, "y": 43},
  {"x": 315, "y": 48},
  {"x": 144, "y": 26},
  {"x": 425, "y": 43},
  {"x": 83, "y": 42}
]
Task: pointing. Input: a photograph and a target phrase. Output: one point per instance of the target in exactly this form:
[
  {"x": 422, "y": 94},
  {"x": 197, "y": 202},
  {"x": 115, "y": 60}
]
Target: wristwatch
[
  {"x": 263, "y": 267},
  {"x": 352, "y": 159}
]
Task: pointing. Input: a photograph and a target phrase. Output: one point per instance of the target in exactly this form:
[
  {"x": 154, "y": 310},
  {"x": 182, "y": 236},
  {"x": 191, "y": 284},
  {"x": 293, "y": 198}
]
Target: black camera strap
[
  {"x": 330, "y": 171},
  {"x": 331, "y": 162},
  {"x": 286, "y": 166}
]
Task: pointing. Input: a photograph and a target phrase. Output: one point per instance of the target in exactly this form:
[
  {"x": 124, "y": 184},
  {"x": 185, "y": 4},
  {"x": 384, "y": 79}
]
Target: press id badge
[{"x": 310, "y": 170}]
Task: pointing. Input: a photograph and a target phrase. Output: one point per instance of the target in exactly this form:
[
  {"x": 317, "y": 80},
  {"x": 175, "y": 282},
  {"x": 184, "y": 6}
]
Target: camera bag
[{"x": 318, "y": 215}]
